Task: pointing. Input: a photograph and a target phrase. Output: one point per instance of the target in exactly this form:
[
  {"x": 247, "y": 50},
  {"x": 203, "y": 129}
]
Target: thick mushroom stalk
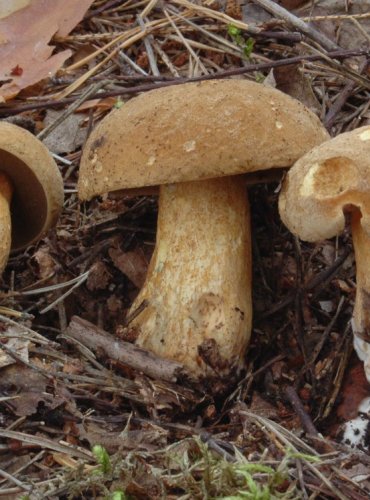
[
  {"x": 326, "y": 182},
  {"x": 6, "y": 191},
  {"x": 196, "y": 301},
  {"x": 361, "y": 311}
]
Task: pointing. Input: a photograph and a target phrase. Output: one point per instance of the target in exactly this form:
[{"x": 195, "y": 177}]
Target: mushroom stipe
[{"x": 328, "y": 182}]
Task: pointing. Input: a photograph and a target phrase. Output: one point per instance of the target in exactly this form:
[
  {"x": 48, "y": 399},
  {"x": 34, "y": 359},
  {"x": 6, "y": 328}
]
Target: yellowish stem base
[
  {"x": 198, "y": 288},
  {"x": 361, "y": 313}
]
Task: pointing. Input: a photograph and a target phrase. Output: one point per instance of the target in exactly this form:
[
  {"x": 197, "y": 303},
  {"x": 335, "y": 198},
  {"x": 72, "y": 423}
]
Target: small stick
[
  {"x": 124, "y": 352},
  {"x": 297, "y": 405}
]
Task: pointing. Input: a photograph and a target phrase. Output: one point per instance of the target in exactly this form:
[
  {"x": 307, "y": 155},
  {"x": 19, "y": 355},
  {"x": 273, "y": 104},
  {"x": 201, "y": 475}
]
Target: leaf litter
[{"x": 277, "y": 433}]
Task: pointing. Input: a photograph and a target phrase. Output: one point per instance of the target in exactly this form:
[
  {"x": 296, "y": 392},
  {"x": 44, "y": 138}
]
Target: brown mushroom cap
[
  {"x": 323, "y": 182},
  {"x": 196, "y": 131},
  {"x": 37, "y": 182}
]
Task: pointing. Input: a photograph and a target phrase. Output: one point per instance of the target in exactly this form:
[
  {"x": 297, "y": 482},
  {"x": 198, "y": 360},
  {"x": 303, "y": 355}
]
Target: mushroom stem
[
  {"x": 197, "y": 293},
  {"x": 6, "y": 192},
  {"x": 361, "y": 312}
]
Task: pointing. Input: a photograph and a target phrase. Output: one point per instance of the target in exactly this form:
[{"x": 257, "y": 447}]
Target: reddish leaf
[{"x": 25, "y": 31}]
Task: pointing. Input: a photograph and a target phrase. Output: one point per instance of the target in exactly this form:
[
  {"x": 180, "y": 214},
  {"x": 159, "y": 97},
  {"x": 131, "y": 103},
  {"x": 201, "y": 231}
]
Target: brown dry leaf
[
  {"x": 45, "y": 263},
  {"x": 262, "y": 407},
  {"x": 17, "y": 344},
  {"x": 359, "y": 473},
  {"x": 25, "y": 31},
  {"x": 102, "y": 104},
  {"x": 143, "y": 439},
  {"x": 343, "y": 31},
  {"x": 133, "y": 264},
  {"x": 29, "y": 386},
  {"x": 292, "y": 81},
  {"x": 66, "y": 137},
  {"x": 99, "y": 277}
]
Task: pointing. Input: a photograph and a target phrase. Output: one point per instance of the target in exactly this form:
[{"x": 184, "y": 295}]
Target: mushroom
[
  {"x": 332, "y": 180},
  {"x": 192, "y": 140},
  {"x": 31, "y": 190}
]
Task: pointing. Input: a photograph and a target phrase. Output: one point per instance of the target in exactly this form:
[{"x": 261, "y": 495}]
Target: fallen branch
[{"x": 131, "y": 355}]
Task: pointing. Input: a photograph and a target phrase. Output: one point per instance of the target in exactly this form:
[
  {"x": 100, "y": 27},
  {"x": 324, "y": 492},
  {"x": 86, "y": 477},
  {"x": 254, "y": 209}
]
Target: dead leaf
[
  {"x": 102, "y": 104},
  {"x": 143, "y": 439},
  {"x": 26, "y": 28},
  {"x": 99, "y": 277},
  {"x": 262, "y": 407},
  {"x": 29, "y": 387},
  {"x": 360, "y": 474},
  {"x": 68, "y": 136},
  {"x": 133, "y": 264},
  {"x": 292, "y": 81},
  {"x": 18, "y": 345},
  {"x": 255, "y": 14},
  {"x": 343, "y": 31},
  {"x": 45, "y": 263}
]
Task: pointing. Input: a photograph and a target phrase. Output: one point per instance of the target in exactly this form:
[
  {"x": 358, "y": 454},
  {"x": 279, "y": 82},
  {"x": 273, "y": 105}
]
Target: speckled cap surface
[
  {"x": 37, "y": 182},
  {"x": 196, "y": 131}
]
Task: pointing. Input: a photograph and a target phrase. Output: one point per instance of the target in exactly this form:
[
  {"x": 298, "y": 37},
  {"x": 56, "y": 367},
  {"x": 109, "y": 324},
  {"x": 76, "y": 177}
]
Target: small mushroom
[
  {"x": 192, "y": 140},
  {"x": 332, "y": 180},
  {"x": 31, "y": 190}
]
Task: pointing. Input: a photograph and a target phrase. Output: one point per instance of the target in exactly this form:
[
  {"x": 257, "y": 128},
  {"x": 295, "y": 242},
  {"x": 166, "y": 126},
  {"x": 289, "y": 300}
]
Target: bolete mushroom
[
  {"x": 332, "y": 180},
  {"x": 31, "y": 190},
  {"x": 192, "y": 140}
]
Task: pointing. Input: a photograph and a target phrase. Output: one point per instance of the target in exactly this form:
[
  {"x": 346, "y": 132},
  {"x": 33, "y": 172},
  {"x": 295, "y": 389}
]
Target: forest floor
[{"x": 77, "y": 422}]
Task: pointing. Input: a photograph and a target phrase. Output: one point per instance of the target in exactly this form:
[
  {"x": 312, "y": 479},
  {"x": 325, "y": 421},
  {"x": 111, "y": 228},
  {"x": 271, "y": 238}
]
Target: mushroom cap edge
[
  {"x": 38, "y": 184},
  {"x": 320, "y": 185}
]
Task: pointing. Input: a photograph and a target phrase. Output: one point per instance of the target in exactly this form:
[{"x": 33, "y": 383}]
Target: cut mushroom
[
  {"x": 332, "y": 180},
  {"x": 31, "y": 190},
  {"x": 193, "y": 140}
]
